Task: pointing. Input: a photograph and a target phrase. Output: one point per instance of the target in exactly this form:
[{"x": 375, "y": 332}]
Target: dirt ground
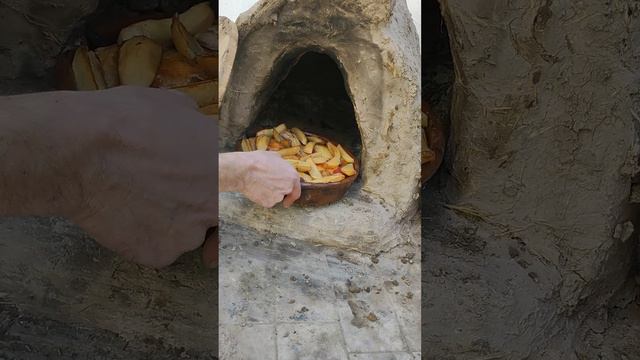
[
  {"x": 480, "y": 292},
  {"x": 79, "y": 301}
]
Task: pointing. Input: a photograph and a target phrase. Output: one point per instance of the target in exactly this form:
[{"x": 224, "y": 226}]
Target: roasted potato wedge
[
  {"x": 138, "y": 61},
  {"x": 289, "y": 151},
  {"x": 348, "y": 170},
  {"x": 176, "y": 70},
  {"x": 82, "y": 71},
  {"x": 300, "y": 135},
  {"x": 303, "y": 166},
  {"x": 314, "y": 172},
  {"x": 183, "y": 40},
  {"x": 262, "y": 142},
  {"x": 267, "y": 132},
  {"x": 315, "y": 139},
  {"x": 324, "y": 151},
  {"x": 196, "y": 20},
  {"x": 345, "y": 155},
  {"x": 315, "y": 163},
  {"x": 334, "y": 162},
  {"x": 245, "y": 145},
  {"x": 328, "y": 179},
  {"x": 332, "y": 148},
  {"x": 309, "y": 147},
  {"x": 305, "y": 177},
  {"x": 108, "y": 57},
  {"x": 96, "y": 69}
]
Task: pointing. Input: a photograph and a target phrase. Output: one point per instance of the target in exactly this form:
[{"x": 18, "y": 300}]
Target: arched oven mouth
[{"x": 308, "y": 89}]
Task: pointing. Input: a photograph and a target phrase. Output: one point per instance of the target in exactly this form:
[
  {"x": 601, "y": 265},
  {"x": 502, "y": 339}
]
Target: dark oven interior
[{"x": 308, "y": 90}]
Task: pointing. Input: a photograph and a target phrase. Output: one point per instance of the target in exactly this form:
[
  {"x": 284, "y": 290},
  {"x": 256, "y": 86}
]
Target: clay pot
[{"x": 313, "y": 195}]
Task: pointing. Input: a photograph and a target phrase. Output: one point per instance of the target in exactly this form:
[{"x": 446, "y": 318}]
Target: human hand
[
  {"x": 262, "y": 176},
  {"x": 150, "y": 178}
]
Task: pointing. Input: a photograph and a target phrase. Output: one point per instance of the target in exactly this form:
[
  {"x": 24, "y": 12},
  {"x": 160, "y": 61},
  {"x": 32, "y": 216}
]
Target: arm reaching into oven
[
  {"x": 136, "y": 168},
  {"x": 262, "y": 176}
]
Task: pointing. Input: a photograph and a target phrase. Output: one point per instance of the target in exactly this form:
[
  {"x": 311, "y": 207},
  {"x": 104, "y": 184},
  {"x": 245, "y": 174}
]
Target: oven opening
[{"x": 309, "y": 92}]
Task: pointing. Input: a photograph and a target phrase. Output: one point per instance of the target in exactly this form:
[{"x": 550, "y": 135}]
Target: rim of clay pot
[{"x": 349, "y": 180}]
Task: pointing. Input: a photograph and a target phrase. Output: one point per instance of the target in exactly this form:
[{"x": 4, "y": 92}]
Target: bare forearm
[
  {"x": 231, "y": 170},
  {"x": 262, "y": 176}
]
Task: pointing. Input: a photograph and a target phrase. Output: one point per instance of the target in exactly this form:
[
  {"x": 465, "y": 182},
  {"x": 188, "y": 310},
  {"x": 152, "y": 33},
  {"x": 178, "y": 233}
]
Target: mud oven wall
[{"x": 375, "y": 45}]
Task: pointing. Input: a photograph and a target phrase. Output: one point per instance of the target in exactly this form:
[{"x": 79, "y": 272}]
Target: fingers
[
  {"x": 272, "y": 201},
  {"x": 294, "y": 194}
]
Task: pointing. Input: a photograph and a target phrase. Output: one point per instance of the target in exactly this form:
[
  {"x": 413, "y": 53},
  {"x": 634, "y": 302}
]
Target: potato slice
[
  {"x": 267, "y": 132},
  {"x": 324, "y": 151},
  {"x": 176, "y": 70},
  {"x": 303, "y": 166},
  {"x": 274, "y": 145},
  {"x": 197, "y": 19},
  {"x": 332, "y": 148},
  {"x": 334, "y": 162},
  {"x": 204, "y": 92},
  {"x": 300, "y": 135},
  {"x": 276, "y": 135},
  {"x": 96, "y": 69},
  {"x": 252, "y": 143},
  {"x": 328, "y": 179},
  {"x": 293, "y": 162},
  {"x": 183, "y": 40},
  {"x": 315, "y": 139},
  {"x": 262, "y": 142},
  {"x": 305, "y": 177},
  {"x": 319, "y": 159},
  {"x": 289, "y": 151},
  {"x": 280, "y": 128},
  {"x": 138, "y": 61},
  {"x": 345, "y": 155},
  {"x": 108, "y": 57},
  {"x": 308, "y": 148},
  {"x": 82, "y": 72},
  {"x": 314, "y": 172},
  {"x": 348, "y": 170},
  {"x": 244, "y": 144},
  {"x": 293, "y": 140}
]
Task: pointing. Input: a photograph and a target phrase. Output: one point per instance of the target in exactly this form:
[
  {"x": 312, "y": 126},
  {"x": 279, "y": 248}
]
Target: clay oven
[{"x": 346, "y": 69}]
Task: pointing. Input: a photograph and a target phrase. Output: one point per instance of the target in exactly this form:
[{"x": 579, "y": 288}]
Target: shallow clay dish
[{"x": 324, "y": 194}]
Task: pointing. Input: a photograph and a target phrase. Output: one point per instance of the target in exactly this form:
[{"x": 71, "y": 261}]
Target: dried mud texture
[
  {"x": 522, "y": 247},
  {"x": 375, "y": 45},
  {"x": 33, "y": 34},
  {"x": 62, "y": 296},
  {"x": 227, "y": 50}
]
